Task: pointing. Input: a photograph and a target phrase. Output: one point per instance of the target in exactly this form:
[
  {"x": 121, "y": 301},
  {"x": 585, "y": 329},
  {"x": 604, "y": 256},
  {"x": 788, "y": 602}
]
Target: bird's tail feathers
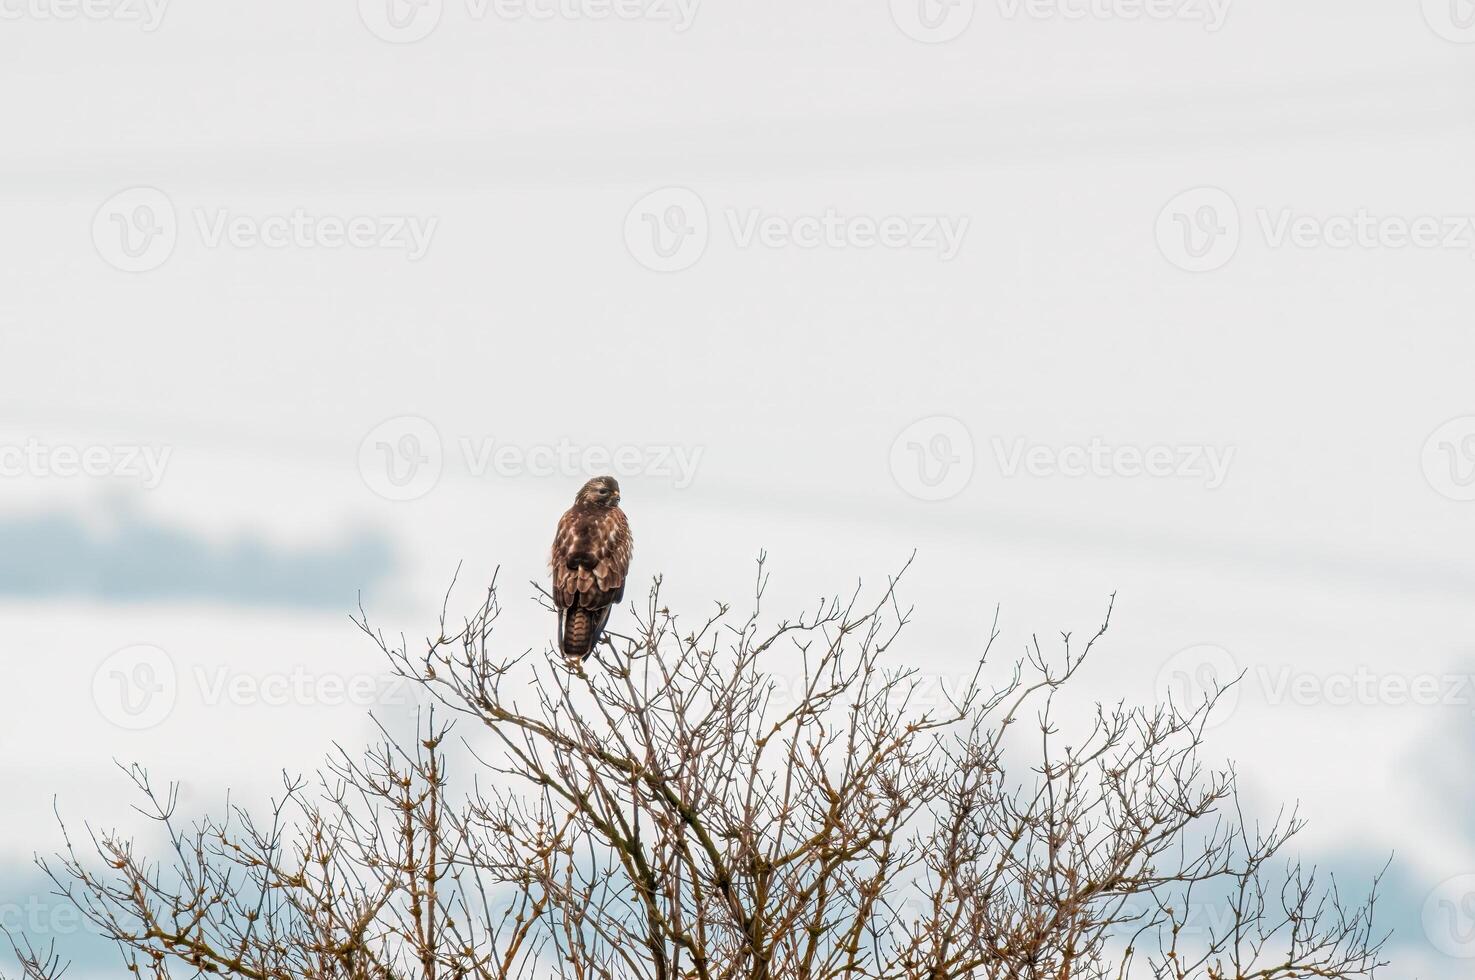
[{"x": 579, "y": 631}]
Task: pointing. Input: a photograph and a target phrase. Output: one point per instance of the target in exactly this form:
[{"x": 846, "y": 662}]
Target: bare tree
[{"x": 725, "y": 799}]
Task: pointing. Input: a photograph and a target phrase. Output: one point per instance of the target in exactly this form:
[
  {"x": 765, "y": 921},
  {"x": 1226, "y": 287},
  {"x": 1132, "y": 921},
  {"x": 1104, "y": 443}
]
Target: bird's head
[{"x": 602, "y": 491}]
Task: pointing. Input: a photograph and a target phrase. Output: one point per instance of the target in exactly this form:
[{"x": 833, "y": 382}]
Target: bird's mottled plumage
[{"x": 591, "y": 556}]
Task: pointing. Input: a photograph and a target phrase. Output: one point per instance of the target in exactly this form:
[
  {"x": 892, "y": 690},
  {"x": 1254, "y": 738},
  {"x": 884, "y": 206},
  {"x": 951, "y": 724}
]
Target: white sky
[{"x": 1328, "y": 550}]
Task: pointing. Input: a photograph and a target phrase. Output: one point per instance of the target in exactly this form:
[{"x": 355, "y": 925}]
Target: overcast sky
[{"x": 1166, "y": 298}]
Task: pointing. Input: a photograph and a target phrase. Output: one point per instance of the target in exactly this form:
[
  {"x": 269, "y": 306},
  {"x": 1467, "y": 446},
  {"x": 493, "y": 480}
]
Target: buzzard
[{"x": 591, "y": 554}]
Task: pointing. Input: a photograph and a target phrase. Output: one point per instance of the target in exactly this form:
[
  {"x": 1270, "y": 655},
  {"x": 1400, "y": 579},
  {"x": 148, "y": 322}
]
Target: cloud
[
  {"x": 1443, "y": 758},
  {"x": 32, "y": 912},
  {"x": 129, "y": 558}
]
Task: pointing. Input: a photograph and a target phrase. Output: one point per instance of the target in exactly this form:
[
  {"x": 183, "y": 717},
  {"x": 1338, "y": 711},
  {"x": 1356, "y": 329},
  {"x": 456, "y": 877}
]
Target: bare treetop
[{"x": 736, "y": 798}]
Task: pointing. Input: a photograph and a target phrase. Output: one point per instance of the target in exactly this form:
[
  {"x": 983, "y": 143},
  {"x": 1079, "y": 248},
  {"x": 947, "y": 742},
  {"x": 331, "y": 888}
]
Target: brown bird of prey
[{"x": 591, "y": 555}]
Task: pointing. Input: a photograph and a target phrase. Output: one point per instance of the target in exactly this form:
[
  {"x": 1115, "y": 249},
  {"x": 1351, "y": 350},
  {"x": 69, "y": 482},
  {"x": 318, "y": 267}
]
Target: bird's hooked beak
[{"x": 615, "y": 500}]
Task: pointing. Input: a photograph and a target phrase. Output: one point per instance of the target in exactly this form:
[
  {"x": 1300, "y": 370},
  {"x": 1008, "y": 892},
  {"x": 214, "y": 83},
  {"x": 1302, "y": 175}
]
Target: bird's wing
[
  {"x": 565, "y": 579},
  {"x": 614, "y": 556},
  {"x": 591, "y": 556}
]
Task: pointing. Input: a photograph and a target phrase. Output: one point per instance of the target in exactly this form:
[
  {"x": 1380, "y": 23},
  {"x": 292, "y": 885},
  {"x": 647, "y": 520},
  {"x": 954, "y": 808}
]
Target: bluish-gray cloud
[{"x": 131, "y": 558}]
